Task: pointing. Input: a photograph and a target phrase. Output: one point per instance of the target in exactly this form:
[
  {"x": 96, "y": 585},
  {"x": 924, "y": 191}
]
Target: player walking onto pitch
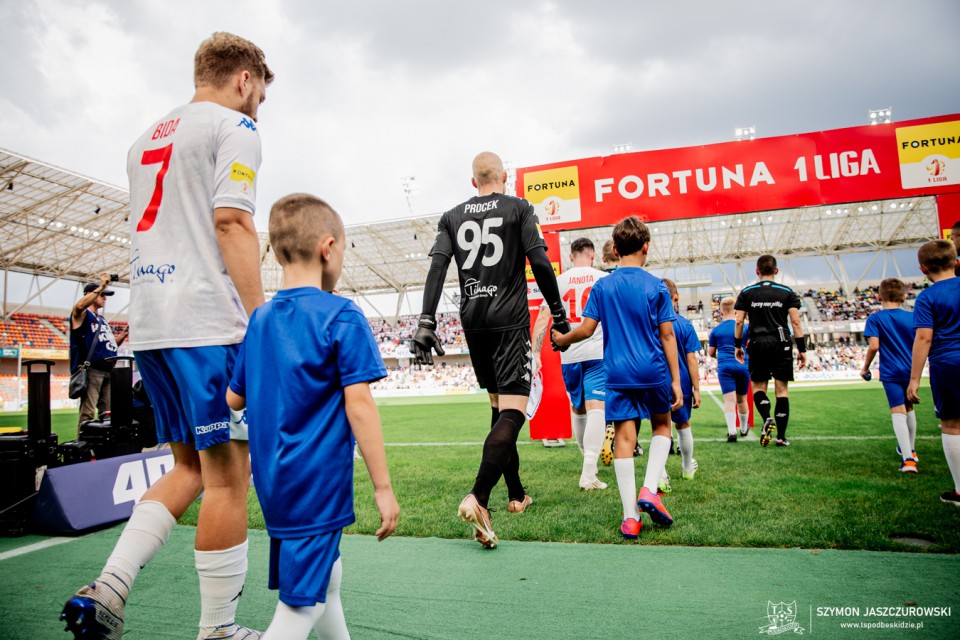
[
  {"x": 582, "y": 363},
  {"x": 936, "y": 317},
  {"x": 734, "y": 376},
  {"x": 688, "y": 346},
  {"x": 890, "y": 333},
  {"x": 640, "y": 361},
  {"x": 772, "y": 309},
  {"x": 489, "y": 236},
  {"x": 195, "y": 279},
  {"x": 302, "y": 431}
]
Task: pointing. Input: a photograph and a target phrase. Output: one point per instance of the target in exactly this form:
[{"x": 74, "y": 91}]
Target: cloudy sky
[{"x": 369, "y": 92}]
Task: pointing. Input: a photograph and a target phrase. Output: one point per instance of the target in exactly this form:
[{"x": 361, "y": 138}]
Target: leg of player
[
  {"x": 688, "y": 467},
  {"x": 899, "y": 416},
  {"x": 592, "y": 442},
  {"x": 625, "y": 435},
  {"x": 912, "y": 429},
  {"x": 518, "y": 500},
  {"x": 221, "y": 544},
  {"x": 762, "y": 403},
  {"x": 730, "y": 414},
  {"x": 950, "y": 436},
  {"x": 578, "y": 418},
  {"x": 743, "y": 413},
  {"x": 782, "y": 412},
  {"x": 648, "y": 500}
]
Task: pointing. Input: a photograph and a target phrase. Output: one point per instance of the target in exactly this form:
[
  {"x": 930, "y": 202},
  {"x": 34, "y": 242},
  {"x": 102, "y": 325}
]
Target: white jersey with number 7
[
  {"x": 199, "y": 157},
  {"x": 575, "y": 285}
]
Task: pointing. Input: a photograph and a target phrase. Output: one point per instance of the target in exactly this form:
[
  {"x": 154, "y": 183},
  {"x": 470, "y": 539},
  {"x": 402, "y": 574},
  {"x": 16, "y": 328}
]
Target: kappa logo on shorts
[{"x": 209, "y": 428}]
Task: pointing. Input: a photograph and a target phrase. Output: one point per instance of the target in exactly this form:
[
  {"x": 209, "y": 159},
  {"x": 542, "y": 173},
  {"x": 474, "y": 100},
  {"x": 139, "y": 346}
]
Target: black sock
[
  {"x": 499, "y": 447},
  {"x": 782, "y": 416},
  {"x": 511, "y": 473},
  {"x": 762, "y": 402},
  {"x": 494, "y": 416}
]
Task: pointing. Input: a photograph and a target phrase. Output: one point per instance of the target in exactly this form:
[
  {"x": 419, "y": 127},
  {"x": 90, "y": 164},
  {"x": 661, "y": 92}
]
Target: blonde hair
[
  {"x": 222, "y": 55},
  {"x": 297, "y": 223},
  {"x": 726, "y": 305}
]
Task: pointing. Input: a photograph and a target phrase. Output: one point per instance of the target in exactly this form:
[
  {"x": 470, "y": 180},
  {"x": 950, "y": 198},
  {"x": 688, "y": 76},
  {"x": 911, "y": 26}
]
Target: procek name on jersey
[
  {"x": 481, "y": 207},
  {"x": 474, "y": 289}
]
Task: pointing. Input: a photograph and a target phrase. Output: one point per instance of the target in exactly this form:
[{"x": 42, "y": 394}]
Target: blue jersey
[
  {"x": 301, "y": 349},
  {"x": 687, "y": 342},
  {"x": 721, "y": 338},
  {"x": 894, "y": 329},
  {"x": 938, "y": 308},
  {"x": 93, "y": 328},
  {"x": 631, "y": 304}
]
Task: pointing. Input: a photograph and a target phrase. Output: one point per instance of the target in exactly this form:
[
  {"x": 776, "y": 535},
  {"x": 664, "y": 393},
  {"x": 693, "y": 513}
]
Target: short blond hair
[
  {"x": 726, "y": 305},
  {"x": 297, "y": 223},
  {"x": 222, "y": 55},
  {"x": 671, "y": 286},
  {"x": 608, "y": 256}
]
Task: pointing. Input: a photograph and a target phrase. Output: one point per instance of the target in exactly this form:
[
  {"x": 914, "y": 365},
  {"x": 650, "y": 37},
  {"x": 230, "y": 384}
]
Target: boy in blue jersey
[
  {"x": 640, "y": 362},
  {"x": 936, "y": 317},
  {"x": 890, "y": 332},
  {"x": 688, "y": 346},
  {"x": 306, "y": 363},
  {"x": 734, "y": 377}
]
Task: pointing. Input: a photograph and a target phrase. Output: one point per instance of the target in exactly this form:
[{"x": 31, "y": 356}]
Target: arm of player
[
  {"x": 547, "y": 281},
  {"x": 538, "y": 334},
  {"x": 921, "y": 349},
  {"x": 712, "y": 352},
  {"x": 738, "y": 336},
  {"x": 365, "y": 423},
  {"x": 798, "y": 336},
  {"x": 240, "y": 249},
  {"x": 669, "y": 341},
  {"x": 693, "y": 366},
  {"x": 425, "y": 340},
  {"x": 586, "y": 329},
  {"x": 872, "y": 349},
  {"x": 235, "y": 401},
  {"x": 76, "y": 315}
]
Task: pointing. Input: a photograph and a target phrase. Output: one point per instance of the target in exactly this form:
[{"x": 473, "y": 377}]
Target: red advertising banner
[{"x": 872, "y": 162}]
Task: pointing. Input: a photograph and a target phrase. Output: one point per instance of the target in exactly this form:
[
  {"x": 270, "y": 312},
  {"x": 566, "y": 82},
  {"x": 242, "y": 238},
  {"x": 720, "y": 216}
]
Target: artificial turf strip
[{"x": 447, "y": 589}]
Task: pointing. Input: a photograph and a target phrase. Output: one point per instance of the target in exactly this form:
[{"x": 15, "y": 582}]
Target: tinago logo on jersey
[
  {"x": 929, "y": 155},
  {"x": 554, "y": 194}
]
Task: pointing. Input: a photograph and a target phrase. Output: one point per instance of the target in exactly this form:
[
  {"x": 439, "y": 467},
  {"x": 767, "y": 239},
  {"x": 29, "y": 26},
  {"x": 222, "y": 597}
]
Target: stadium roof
[{"x": 61, "y": 224}]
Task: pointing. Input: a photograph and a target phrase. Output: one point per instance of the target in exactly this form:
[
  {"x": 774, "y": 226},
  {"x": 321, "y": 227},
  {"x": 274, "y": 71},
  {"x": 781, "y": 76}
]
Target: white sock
[
  {"x": 744, "y": 420},
  {"x": 627, "y": 485},
  {"x": 912, "y": 428},
  {"x": 951, "y": 451},
  {"x": 295, "y": 623},
  {"x": 579, "y": 421},
  {"x": 222, "y": 574},
  {"x": 731, "y": 418},
  {"x": 656, "y": 461},
  {"x": 903, "y": 435},
  {"x": 146, "y": 532},
  {"x": 596, "y": 429},
  {"x": 332, "y": 624},
  {"x": 686, "y": 447}
]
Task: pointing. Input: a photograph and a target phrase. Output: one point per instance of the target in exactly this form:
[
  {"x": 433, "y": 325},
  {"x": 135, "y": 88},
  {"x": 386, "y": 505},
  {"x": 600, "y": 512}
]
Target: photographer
[{"x": 92, "y": 339}]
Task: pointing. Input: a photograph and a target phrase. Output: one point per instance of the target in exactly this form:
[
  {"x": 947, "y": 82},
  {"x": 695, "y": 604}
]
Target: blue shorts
[
  {"x": 188, "y": 389},
  {"x": 682, "y": 414},
  {"x": 637, "y": 404},
  {"x": 734, "y": 377},
  {"x": 585, "y": 381},
  {"x": 300, "y": 567},
  {"x": 946, "y": 391},
  {"x": 896, "y": 393}
]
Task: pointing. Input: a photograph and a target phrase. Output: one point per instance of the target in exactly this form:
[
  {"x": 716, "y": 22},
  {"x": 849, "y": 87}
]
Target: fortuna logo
[
  {"x": 782, "y": 617},
  {"x": 473, "y": 289},
  {"x": 248, "y": 123}
]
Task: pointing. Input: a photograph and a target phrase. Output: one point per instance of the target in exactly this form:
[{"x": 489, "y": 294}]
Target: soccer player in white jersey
[
  {"x": 195, "y": 279},
  {"x": 582, "y": 363}
]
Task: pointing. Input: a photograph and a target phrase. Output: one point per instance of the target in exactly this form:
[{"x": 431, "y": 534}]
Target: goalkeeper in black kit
[{"x": 489, "y": 237}]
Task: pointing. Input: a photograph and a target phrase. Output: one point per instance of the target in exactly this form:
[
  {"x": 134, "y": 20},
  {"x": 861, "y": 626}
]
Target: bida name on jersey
[{"x": 480, "y": 207}]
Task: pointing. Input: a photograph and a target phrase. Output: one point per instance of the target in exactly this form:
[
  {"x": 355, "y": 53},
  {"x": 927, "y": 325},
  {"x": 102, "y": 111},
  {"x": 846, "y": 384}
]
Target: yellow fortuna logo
[
  {"x": 554, "y": 194},
  {"x": 929, "y": 155},
  {"x": 242, "y": 173}
]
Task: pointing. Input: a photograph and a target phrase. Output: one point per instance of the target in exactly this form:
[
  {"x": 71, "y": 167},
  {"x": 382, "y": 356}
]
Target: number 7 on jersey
[{"x": 159, "y": 156}]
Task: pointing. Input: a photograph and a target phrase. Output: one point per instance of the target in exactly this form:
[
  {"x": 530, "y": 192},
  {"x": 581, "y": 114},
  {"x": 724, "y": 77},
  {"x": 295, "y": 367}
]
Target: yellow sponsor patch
[
  {"x": 556, "y": 271},
  {"x": 242, "y": 173},
  {"x": 929, "y": 154}
]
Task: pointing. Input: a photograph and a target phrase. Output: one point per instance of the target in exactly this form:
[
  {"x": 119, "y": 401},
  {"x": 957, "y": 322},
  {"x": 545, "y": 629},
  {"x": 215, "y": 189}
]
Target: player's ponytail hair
[
  {"x": 222, "y": 55},
  {"x": 630, "y": 235}
]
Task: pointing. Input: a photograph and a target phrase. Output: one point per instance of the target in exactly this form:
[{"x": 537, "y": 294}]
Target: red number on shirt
[
  {"x": 570, "y": 297},
  {"x": 159, "y": 156}
]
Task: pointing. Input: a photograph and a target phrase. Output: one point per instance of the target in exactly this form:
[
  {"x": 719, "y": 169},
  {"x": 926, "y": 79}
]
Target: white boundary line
[
  {"x": 723, "y": 439},
  {"x": 30, "y": 548}
]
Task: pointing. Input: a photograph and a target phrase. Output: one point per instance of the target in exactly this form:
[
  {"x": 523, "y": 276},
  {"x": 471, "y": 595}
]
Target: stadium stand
[{"x": 35, "y": 331}]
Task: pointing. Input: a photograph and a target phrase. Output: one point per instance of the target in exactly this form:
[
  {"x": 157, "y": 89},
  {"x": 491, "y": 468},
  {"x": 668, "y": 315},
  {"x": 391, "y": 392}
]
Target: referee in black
[
  {"x": 771, "y": 306},
  {"x": 490, "y": 237}
]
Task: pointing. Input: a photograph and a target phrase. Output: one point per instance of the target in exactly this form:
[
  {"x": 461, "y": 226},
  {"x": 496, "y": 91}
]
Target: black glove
[
  {"x": 561, "y": 324},
  {"x": 425, "y": 340}
]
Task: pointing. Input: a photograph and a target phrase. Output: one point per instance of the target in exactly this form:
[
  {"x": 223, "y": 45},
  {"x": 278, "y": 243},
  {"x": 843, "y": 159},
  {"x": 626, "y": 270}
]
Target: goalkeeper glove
[
  {"x": 425, "y": 340},
  {"x": 560, "y": 323}
]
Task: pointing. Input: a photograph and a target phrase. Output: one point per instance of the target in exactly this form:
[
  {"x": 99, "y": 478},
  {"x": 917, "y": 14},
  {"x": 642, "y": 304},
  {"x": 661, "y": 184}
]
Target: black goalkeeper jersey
[
  {"x": 768, "y": 305},
  {"x": 489, "y": 238}
]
